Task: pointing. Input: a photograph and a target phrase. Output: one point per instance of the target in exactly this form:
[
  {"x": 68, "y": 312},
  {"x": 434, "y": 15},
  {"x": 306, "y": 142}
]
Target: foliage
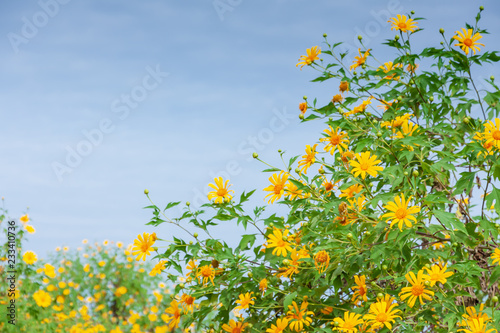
[
  {"x": 396, "y": 231},
  {"x": 96, "y": 288}
]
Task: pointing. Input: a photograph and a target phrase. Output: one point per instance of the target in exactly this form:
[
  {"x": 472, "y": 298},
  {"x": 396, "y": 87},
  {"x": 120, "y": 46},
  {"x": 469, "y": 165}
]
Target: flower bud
[
  {"x": 400, "y": 98},
  {"x": 182, "y": 285},
  {"x": 380, "y": 295},
  {"x": 188, "y": 203},
  {"x": 297, "y": 170},
  {"x": 360, "y": 37},
  {"x": 349, "y": 235},
  {"x": 146, "y": 191},
  {"x": 396, "y": 37},
  {"x": 325, "y": 35},
  {"x": 384, "y": 267},
  {"x": 301, "y": 116},
  {"x": 492, "y": 78},
  {"x": 441, "y": 31},
  {"x": 431, "y": 98},
  {"x": 379, "y": 134},
  {"x": 427, "y": 283},
  {"x": 305, "y": 97},
  {"x": 481, "y": 8},
  {"x": 405, "y": 173},
  {"x": 412, "y": 12},
  {"x": 190, "y": 242},
  {"x": 494, "y": 299},
  {"x": 195, "y": 235},
  {"x": 255, "y": 155},
  {"x": 415, "y": 173}
]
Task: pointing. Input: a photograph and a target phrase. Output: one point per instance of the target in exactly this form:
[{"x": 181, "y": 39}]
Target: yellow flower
[
  {"x": 312, "y": 54},
  {"x": 337, "y": 98},
  {"x": 388, "y": 66},
  {"x": 29, "y": 228},
  {"x": 159, "y": 267},
  {"x": 235, "y": 326},
  {"x": 467, "y": 41},
  {"x": 205, "y": 273},
  {"x": 309, "y": 158},
  {"x": 359, "y": 60},
  {"x": 360, "y": 289},
  {"x": 277, "y": 188},
  {"x": 279, "y": 241},
  {"x": 321, "y": 261},
  {"x": 42, "y": 298},
  {"x": 351, "y": 191},
  {"x": 349, "y": 323},
  {"x": 365, "y": 164},
  {"x": 473, "y": 314},
  {"x": 397, "y": 122},
  {"x": 120, "y": 291},
  {"x": 187, "y": 302},
  {"x": 293, "y": 266},
  {"x": 417, "y": 290},
  {"x": 298, "y": 318},
  {"x": 360, "y": 108},
  {"x": 496, "y": 256},
  {"x": 221, "y": 192},
  {"x": 336, "y": 139},
  {"x": 191, "y": 267},
  {"x": 49, "y": 270},
  {"x": 143, "y": 246},
  {"x": 303, "y": 107},
  {"x": 344, "y": 86},
  {"x": 24, "y": 219},
  {"x": 412, "y": 68},
  {"x": 293, "y": 191},
  {"x": 29, "y": 257},
  {"x": 263, "y": 286},
  {"x": 245, "y": 301},
  {"x": 175, "y": 315},
  {"x": 382, "y": 314},
  {"x": 476, "y": 326},
  {"x": 491, "y": 133},
  {"x": 437, "y": 274},
  {"x": 403, "y": 24},
  {"x": 400, "y": 212},
  {"x": 280, "y": 326}
]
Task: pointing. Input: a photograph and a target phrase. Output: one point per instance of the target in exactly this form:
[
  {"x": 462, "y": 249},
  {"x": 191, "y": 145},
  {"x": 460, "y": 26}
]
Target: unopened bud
[
  {"x": 146, "y": 191},
  {"x": 255, "y": 155}
]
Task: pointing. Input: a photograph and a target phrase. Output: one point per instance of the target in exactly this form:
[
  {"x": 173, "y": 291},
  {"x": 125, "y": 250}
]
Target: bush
[
  {"x": 392, "y": 220},
  {"x": 96, "y": 288}
]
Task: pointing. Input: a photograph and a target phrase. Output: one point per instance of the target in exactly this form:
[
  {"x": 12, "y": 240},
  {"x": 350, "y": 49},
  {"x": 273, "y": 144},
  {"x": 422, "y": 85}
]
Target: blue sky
[{"x": 165, "y": 95}]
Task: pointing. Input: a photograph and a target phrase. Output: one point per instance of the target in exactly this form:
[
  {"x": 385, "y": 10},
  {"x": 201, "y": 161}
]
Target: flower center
[
  {"x": 401, "y": 213},
  {"x": 382, "y": 317},
  {"x": 468, "y": 42},
  {"x": 328, "y": 186},
  {"x": 335, "y": 139},
  {"x": 221, "y": 192},
  {"x": 362, "y": 291},
  {"x": 402, "y": 25},
  {"x": 206, "y": 272},
  {"x": 417, "y": 290},
  {"x": 322, "y": 257},
  {"x": 496, "y": 135},
  {"x": 144, "y": 247},
  {"x": 281, "y": 243},
  {"x": 278, "y": 189},
  {"x": 364, "y": 166},
  {"x": 236, "y": 330},
  {"x": 435, "y": 277}
]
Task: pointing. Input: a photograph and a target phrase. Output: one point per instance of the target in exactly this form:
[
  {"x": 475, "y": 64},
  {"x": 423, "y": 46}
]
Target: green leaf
[
  {"x": 464, "y": 183},
  {"x": 245, "y": 240},
  {"x": 288, "y": 300},
  {"x": 272, "y": 170},
  {"x": 449, "y": 220},
  {"x": 172, "y": 204}
]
